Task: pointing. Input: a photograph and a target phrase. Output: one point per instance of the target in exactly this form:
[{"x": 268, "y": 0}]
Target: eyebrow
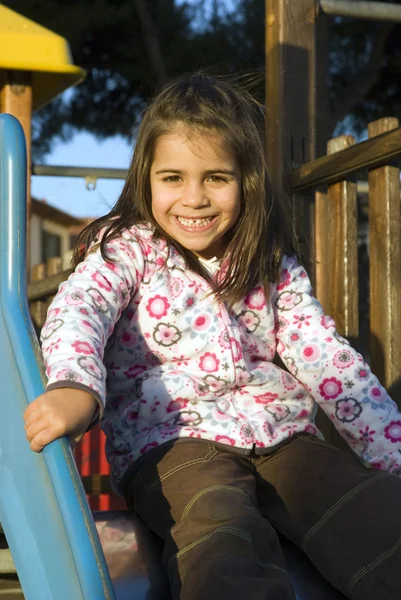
[{"x": 208, "y": 172}]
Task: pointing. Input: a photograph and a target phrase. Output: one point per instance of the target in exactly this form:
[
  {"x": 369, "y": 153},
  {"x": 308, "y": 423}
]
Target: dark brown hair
[{"x": 263, "y": 232}]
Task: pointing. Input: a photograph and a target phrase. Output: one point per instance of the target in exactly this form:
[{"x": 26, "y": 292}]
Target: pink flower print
[
  {"x": 53, "y": 346},
  {"x": 256, "y": 298},
  {"x": 266, "y": 398},
  {"x": 310, "y": 429},
  {"x": 149, "y": 447},
  {"x": 74, "y": 298},
  {"x": 215, "y": 384},
  {"x": 131, "y": 415},
  {"x": 288, "y": 300},
  {"x": 91, "y": 367},
  {"x": 68, "y": 375},
  {"x": 310, "y": 353},
  {"x": 348, "y": 409},
  {"x": 201, "y": 389},
  {"x": 180, "y": 360},
  {"x": 157, "y": 307},
  {"x": 224, "y": 339},
  {"x": 224, "y": 439},
  {"x": 83, "y": 347},
  {"x": 367, "y": 434},
  {"x": 87, "y": 327},
  {"x": 362, "y": 373},
  {"x": 209, "y": 362},
  {"x": 128, "y": 339},
  {"x": 393, "y": 431},
  {"x": 289, "y": 381},
  {"x": 53, "y": 312},
  {"x": 300, "y": 320},
  {"x": 281, "y": 323},
  {"x": 99, "y": 301},
  {"x": 102, "y": 282},
  {"x": 177, "y": 404},
  {"x": 249, "y": 320},
  {"x": 268, "y": 428},
  {"x": 166, "y": 335},
  {"x": 236, "y": 349},
  {"x": 285, "y": 279},
  {"x": 189, "y": 301},
  {"x": 295, "y": 337},
  {"x": 379, "y": 465},
  {"x": 188, "y": 417},
  {"x": 279, "y": 412},
  {"x": 134, "y": 371},
  {"x": 201, "y": 323},
  {"x": 330, "y": 388},
  {"x": 84, "y": 311},
  {"x": 327, "y": 322},
  {"x": 378, "y": 394},
  {"x": 176, "y": 287},
  {"x": 246, "y": 432},
  {"x": 343, "y": 359}
]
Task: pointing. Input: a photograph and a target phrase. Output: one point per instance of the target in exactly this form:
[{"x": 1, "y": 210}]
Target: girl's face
[{"x": 196, "y": 186}]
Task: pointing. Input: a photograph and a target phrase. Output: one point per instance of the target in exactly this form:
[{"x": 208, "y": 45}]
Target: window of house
[{"x": 51, "y": 245}]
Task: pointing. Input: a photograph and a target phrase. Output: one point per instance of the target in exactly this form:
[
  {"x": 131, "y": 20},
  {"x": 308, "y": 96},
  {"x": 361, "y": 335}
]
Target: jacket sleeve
[
  {"x": 83, "y": 314},
  {"x": 333, "y": 372}
]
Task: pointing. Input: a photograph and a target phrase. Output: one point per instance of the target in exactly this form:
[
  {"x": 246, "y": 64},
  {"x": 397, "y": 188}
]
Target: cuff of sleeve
[{"x": 98, "y": 414}]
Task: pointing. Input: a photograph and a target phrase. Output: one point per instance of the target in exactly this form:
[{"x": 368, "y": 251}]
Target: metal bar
[
  {"x": 372, "y": 11},
  {"x": 385, "y": 260},
  {"x": 372, "y": 153},
  {"x": 95, "y": 172}
]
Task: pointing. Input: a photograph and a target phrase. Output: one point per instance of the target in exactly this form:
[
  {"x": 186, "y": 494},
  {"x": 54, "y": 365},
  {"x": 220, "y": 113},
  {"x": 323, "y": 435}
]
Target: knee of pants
[{"x": 229, "y": 516}]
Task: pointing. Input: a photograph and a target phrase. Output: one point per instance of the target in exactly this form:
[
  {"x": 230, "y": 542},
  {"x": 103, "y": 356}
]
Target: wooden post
[
  {"x": 342, "y": 248},
  {"x": 385, "y": 265},
  {"x": 16, "y": 99},
  {"x": 292, "y": 74}
]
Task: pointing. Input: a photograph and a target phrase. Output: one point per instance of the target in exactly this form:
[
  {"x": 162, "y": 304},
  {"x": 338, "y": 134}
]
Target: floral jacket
[{"x": 166, "y": 360}]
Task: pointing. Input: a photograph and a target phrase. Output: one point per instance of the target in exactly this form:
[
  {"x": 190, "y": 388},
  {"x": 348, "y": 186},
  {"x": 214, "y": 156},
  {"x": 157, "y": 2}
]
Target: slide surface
[{"x": 43, "y": 507}]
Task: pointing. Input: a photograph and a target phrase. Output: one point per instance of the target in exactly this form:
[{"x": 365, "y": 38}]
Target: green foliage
[{"x": 126, "y": 63}]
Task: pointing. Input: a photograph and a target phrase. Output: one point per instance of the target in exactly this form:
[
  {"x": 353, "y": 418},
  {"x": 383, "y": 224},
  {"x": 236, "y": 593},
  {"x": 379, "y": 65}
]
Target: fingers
[{"x": 42, "y": 438}]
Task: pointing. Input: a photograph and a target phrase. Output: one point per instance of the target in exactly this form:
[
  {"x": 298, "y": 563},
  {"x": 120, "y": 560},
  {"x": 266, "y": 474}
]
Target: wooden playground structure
[{"x": 320, "y": 174}]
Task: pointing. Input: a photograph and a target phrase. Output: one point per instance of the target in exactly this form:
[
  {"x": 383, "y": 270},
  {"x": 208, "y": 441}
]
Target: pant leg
[
  {"x": 202, "y": 502},
  {"x": 344, "y": 516}
]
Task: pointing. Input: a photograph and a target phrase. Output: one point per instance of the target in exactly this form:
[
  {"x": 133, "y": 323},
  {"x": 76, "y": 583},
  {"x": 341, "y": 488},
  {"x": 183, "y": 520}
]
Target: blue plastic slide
[{"x": 43, "y": 509}]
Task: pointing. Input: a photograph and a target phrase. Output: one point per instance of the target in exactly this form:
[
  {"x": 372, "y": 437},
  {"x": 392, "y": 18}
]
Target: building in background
[{"x": 53, "y": 233}]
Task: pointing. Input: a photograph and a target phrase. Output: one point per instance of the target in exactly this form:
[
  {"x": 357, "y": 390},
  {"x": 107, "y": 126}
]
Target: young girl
[{"x": 167, "y": 331}]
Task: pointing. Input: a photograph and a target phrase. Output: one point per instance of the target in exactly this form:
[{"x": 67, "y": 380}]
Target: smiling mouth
[{"x": 195, "y": 223}]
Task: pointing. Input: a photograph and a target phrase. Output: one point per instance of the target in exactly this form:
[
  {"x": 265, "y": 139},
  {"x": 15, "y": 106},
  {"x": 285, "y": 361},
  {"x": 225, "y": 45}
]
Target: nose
[{"x": 195, "y": 196}]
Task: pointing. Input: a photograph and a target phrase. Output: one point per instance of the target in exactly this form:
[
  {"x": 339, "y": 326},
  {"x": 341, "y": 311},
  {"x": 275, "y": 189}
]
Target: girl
[{"x": 167, "y": 331}]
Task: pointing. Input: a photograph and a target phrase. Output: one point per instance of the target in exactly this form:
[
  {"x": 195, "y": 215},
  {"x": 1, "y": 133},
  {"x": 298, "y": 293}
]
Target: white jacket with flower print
[{"x": 165, "y": 359}]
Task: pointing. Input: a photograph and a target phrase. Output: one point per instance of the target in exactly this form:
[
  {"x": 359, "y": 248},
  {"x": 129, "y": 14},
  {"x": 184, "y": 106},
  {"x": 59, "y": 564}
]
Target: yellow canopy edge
[{"x": 27, "y": 46}]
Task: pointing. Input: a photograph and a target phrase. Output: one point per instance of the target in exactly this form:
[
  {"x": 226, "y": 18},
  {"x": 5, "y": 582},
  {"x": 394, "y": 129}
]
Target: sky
[{"x": 84, "y": 150}]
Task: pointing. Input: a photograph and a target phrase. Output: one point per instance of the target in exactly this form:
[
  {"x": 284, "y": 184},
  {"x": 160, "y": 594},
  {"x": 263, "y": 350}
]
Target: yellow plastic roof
[{"x": 27, "y": 46}]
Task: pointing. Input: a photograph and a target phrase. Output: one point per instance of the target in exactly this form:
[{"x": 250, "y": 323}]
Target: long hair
[{"x": 263, "y": 232}]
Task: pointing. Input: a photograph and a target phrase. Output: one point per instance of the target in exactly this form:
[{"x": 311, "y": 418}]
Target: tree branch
[
  {"x": 362, "y": 85},
  {"x": 151, "y": 40}
]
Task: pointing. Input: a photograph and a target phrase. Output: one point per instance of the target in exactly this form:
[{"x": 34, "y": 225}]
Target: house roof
[{"x": 47, "y": 211}]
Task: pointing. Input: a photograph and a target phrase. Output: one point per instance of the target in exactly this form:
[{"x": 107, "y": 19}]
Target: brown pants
[{"x": 218, "y": 513}]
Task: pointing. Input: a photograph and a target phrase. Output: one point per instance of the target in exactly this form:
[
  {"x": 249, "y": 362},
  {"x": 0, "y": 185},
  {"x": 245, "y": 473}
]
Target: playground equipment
[
  {"x": 43, "y": 510},
  {"x": 53, "y": 538}
]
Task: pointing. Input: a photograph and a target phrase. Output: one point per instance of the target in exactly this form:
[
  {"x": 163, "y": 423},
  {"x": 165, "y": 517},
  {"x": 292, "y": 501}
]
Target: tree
[{"x": 129, "y": 47}]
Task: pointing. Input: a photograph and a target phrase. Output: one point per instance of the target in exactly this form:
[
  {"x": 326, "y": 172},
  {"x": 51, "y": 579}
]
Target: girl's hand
[{"x": 58, "y": 412}]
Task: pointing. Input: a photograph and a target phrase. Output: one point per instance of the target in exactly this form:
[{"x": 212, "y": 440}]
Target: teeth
[{"x": 194, "y": 222}]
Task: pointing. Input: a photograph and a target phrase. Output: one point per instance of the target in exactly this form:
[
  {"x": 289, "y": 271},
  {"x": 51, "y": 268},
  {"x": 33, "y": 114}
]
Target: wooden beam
[
  {"x": 384, "y": 149},
  {"x": 40, "y": 290}
]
